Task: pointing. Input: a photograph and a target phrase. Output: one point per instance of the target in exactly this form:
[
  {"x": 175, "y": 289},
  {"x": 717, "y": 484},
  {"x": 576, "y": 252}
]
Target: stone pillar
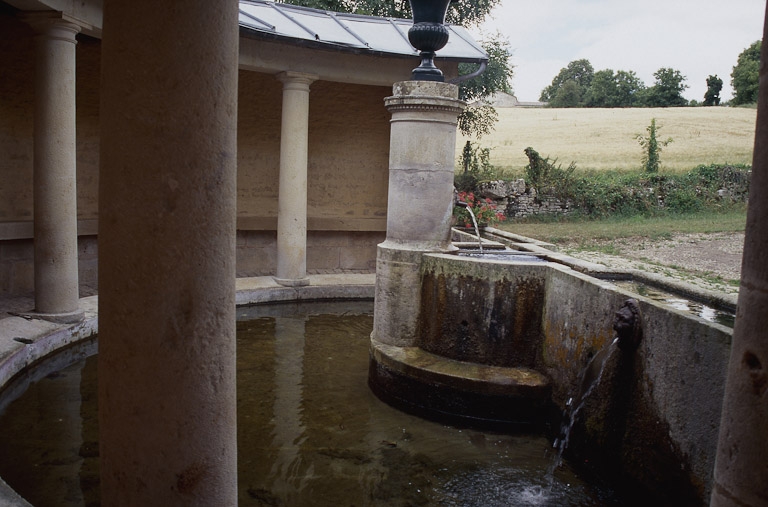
[
  {"x": 57, "y": 291},
  {"x": 167, "y": 190},
  {"x": 292, "y": 202},
  {"x": 741, "y": 474},
  {"x": 420, "y": 202}
]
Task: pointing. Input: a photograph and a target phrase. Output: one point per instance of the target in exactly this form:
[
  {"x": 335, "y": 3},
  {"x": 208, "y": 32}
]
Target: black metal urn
[{"x": 428, "y": 34}]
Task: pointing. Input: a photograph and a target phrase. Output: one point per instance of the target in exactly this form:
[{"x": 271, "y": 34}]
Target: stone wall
[
  {"x": 519, "y": 201},
  {"x": 650, "y": 419}
]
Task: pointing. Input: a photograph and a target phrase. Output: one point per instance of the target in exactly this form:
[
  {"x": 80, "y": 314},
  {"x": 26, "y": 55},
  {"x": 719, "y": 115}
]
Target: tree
[
  {"x": 478, "y": 119},
  {"x": 651, "y": 147},
  {"x": 745, "y": 77},
  {"x": 460, "y": 12},
  {"x": 667, "y": 90},
  {"x": 579, "y": 72},
  {"x": 570, "y": 94},
  {"x": 712, "y": 95},
  {"x": 613, "y": 90}
]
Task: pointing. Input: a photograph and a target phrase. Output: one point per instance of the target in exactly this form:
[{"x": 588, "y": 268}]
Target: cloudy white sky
[{"x": 696, "y": 37}]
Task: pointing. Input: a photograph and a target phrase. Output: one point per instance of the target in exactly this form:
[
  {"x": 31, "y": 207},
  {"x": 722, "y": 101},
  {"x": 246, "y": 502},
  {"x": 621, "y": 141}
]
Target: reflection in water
[
  {"x": 310, "y": 433},
  {"x": 678, "y": 303}
]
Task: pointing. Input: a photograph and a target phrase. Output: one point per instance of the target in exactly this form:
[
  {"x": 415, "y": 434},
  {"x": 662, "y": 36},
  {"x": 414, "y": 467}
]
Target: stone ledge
[{"x": 469, "y": 377}]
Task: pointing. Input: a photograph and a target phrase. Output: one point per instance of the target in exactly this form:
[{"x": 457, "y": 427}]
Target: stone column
[
  {"x": 57, "y": 291},
  {"x": 741, "y": 474},
  {"x": 167, "y": 189},
  {"x": 292, "y": 202},
  {"x": 420, "y": 202}
]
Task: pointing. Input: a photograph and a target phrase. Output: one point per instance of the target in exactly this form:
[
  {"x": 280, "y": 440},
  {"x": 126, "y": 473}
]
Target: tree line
[{"x": 578, "y": 85}]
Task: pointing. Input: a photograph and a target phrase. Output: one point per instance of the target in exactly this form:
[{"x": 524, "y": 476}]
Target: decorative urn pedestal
[{"x": 428, "y": 34}]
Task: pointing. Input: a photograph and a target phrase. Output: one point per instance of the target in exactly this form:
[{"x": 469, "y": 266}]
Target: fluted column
[
  {"x": 167, "y": 189},
  {"x": 54, "y": 175},
  {"x": 292, "y": 201},
  {"x": 741, "y": 474}
]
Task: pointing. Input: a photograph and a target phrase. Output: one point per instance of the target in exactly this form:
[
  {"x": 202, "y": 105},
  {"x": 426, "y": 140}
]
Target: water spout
[
  {"x": 474, "y": 222},
  {"x": 627, "y": 325}
]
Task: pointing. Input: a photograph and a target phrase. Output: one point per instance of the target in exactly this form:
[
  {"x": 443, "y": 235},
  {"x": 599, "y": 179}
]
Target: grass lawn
[
  {"x": 601, "y": 139},
  {"x": 581, "y": 231}
]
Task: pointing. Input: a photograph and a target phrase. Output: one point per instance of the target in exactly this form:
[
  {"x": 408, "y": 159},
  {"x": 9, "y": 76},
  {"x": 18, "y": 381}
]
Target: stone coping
[
  {"x": 25, "y": 341},
  {"x": 470, "y": 377},
  {"x": 546, "y": 251}
]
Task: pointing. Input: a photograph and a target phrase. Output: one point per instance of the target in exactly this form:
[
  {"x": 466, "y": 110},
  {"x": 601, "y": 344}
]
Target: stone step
[{"x": 465, "y": 376}]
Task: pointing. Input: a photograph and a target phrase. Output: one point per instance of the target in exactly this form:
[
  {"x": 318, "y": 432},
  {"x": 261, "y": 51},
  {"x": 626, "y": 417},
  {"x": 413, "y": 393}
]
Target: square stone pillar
[{"x": 420, "y": 202}]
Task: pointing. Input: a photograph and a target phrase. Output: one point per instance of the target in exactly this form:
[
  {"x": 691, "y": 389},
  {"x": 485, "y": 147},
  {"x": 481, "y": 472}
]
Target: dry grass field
[{"x": 600, "y": 139}]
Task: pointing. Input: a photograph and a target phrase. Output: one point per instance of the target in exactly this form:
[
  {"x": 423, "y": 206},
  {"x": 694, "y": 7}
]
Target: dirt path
[{"x": 711, "y": 261}]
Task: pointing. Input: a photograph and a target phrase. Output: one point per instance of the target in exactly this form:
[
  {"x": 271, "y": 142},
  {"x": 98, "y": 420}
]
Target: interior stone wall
[
  {"x": 16, "y": 114},
  {"x": 347, "y": 174},
  {"x": 17, "y": 61},
  {"x": 348, "y": 166}
]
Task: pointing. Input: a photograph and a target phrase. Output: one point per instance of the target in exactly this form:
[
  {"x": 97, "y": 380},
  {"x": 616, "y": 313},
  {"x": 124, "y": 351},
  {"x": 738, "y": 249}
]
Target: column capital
[
  {"x": 425, "y": 96},
  {"x": 296, "y": 80},
  {"x": 52, "y": 25}
]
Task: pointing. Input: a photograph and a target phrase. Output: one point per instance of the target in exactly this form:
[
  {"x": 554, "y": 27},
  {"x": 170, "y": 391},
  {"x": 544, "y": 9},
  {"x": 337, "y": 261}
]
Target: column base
[
  {"x": 59, "y": 318},
  {"x": 291, "y": 282}
]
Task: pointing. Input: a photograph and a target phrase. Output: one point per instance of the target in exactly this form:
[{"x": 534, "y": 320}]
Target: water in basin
[
  {"x": 677, "y": 302},
  {"x": 309, "y": 430}
]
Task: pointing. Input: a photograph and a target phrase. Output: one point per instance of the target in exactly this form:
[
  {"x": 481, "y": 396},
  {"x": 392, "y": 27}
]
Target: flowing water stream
[{"x": 310, "y": 433}]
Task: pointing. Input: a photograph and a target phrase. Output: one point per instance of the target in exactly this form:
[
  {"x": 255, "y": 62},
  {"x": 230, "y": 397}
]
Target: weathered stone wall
[
  {"x": 327, "y": 252},
  {"x": 482, "y": 312},
  {"x": 17, "y": 59},
  {"x": 653, "y": 416},
  {"x": 517, "y": 201},
  {"x": 651, "y": 419},
  {"x": 16, "y": 113},
  {"x": 347, "y": 174}
]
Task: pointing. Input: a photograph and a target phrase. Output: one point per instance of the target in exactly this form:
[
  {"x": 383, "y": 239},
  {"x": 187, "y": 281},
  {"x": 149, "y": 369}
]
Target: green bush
[
  {"x": 547, "y": 178},
  {"x": 607, "y": 193},
  {"x": 474, "y": 166}
]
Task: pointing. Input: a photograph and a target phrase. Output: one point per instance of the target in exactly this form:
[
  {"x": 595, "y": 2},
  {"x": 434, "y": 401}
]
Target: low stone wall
[
  {"x": 650, "y": 421},
  {"x": 519, "y": 201},
  {"x": 17, "y": 266},
  {"x": 652, "y": 417}
]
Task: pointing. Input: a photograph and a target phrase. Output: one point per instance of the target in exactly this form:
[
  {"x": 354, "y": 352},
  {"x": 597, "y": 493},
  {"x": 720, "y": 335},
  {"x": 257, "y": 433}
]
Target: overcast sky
[{"x": 696, "y": 37}]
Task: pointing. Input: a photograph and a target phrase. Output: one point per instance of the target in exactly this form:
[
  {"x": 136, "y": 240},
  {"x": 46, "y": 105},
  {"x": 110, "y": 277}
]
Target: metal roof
[{"x": 348, "y": 31}]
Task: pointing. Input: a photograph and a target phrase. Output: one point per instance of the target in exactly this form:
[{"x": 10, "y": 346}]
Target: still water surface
[{"x": 310, "y": 433}]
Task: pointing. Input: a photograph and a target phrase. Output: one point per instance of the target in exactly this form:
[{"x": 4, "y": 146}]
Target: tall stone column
[
  {"x": 741, "y": 474},
  {"x": 167, "y": 189},
  {"x": 57, "y": 291},
  {"x": 292, "y": 201},
  {"x": 420, "y": 202}
]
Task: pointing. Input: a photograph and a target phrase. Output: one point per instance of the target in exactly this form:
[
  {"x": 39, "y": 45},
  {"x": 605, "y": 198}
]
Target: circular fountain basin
[{"x": 309, "y": 430}]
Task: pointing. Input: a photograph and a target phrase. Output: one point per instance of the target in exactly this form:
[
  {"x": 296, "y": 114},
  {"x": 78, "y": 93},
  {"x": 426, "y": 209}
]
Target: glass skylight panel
[
  {"x": 383, "y": 35},
  {"x": 283, "y": 25}
]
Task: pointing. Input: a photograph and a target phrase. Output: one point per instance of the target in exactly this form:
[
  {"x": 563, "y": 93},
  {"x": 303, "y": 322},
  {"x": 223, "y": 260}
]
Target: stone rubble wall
[{"x": 517, "y": 200}]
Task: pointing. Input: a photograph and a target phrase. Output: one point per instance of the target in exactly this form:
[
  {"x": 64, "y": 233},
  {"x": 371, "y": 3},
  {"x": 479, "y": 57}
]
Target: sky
[{"x": 697, "y": 37}]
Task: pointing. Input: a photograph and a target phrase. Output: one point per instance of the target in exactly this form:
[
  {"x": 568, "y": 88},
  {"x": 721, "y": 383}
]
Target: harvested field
[{"x": 603, "y": 139}]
